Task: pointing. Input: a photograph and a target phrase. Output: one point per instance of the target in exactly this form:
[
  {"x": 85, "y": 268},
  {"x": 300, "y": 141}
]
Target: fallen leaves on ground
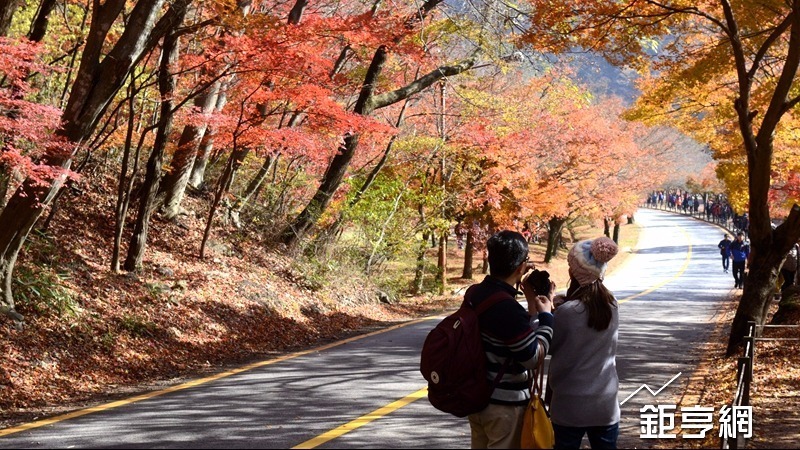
[
  {"x": 775, "y": 391},
  {"x": 179, "y": 317}
]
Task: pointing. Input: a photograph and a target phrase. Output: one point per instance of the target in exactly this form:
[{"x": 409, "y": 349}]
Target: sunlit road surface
[{"x": 368, "y": 393}]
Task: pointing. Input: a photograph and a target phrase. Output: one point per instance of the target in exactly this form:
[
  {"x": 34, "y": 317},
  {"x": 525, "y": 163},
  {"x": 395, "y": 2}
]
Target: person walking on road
[
  {"x": 583, "y": 370},
  {"x": 507, "y": 333},
  {"x": 739, "y": 251},
  {"x": 789, "y": 267},
  {"x": 724, "y": 248}
]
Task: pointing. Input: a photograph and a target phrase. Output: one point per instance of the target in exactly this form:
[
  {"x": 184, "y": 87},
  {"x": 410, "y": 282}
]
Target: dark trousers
[
  {"x": 725, "y": 262},
  {"x": 788, "y": 278},
  {"x": 738, "y": 273},
  {"x": 599, "y": 437}
]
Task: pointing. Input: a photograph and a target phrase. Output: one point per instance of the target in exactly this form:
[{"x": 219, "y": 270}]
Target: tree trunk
[
  {"x": 469, "y": 249},
  {"x": 5, "y": 184},
  {"x": 631, "y": 219},
  {"x": 419, "y": 272},
  {"x": 367, "y": 103},
  {"x": 39, "y": 27},
  {"x": 7, "y": 10},
  {"x": 195, "y": 143},
  {"x": 297, "y": 11},
  {"x": 18, "y": 217},
  {"x": 555, "y": 225},
  {"x": 768, "y": 247},
  {"x": 338, "y": 166},
  {"x": 760, "y": 283},
  {"x": 96, "y": 83},
  {"x": 53, "y": 209},
  {"x": 382, "y": 235},
  {"x": 335, "y": 228},
  {"x": 175, "y": 181},
  {"x": 198, "y": 173},
  {"x": 166, "y": 86},
  {"x": 125, "y": 186},
  {"x": 606, "y": 227},
  {"x": 382, "y": 162},
  {"x": 234, "y": 162},
  {"x": 616, "y": 233},
  {"x": 788, "y": 312},
  {"x": 442, "y": 264},
  {"x": 252, "y": 187}
]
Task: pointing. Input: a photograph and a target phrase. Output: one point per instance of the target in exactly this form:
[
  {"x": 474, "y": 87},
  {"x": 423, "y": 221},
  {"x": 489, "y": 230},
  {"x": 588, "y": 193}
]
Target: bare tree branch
[{"x": 389, "y": 98}]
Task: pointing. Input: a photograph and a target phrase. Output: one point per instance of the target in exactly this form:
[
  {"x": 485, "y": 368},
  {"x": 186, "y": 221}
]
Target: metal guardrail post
[
  {"x": 750, "y": 355},
  {"x": 744, "y": 377},
  {"x": 750, "y": 358}
]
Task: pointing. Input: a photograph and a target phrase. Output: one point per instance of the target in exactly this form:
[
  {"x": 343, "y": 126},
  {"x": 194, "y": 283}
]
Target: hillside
[{"x": 181, "y": 316}]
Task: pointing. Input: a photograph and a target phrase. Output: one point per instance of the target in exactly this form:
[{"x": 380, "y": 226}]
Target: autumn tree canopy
[
  {"x": 725, "y": 72},
  {"x": 301, "y": 123}
]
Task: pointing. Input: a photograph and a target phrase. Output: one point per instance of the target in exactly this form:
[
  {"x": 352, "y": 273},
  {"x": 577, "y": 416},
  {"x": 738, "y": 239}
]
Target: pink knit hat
[{"x": 588, "y": 259}]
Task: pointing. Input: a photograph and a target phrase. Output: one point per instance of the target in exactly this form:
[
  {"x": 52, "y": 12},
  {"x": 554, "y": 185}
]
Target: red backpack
[{"x": 454, "y": 363}]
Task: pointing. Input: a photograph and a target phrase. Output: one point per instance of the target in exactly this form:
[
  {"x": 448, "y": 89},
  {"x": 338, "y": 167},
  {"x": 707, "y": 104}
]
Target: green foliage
[
  {"x": 649, "y": 44},
  {"x": 137, "y": 325},
  {"x": 41, "y": 289},
  {"x": 156, "y": 290},
  {"x": 39, "y": 285},
  {"x": 311, "y": 273},
  {"x": 279, "y": 197},
  {"x": 382, "y": 218},
  {"x": 395, "y": 284},
  {"x": 22, "y": 19},
  {"x": 108, "y": 340}
]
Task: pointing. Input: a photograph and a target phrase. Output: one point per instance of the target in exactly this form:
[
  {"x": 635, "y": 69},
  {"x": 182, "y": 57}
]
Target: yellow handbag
[{"x": 537, "y": 430}]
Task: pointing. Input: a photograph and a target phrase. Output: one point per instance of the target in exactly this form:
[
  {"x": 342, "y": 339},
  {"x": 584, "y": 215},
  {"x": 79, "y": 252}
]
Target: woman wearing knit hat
[{"x": 583, "y": 371}]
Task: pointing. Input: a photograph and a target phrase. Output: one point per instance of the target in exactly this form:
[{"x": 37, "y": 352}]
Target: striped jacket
[{"x": 507, "y": 332}]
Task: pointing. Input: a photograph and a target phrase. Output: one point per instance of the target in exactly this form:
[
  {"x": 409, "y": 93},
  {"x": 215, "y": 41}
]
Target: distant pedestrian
[
  {"x": 789, "y": 267},
  {"x": 724, "y": 248},
  {"x": 739, "y": 251},
  {"x": 583, "y": 370}
]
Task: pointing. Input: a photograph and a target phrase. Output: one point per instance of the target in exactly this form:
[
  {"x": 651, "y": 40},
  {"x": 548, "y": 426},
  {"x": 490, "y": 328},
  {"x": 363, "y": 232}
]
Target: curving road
[{"x": 363, "y": 392}]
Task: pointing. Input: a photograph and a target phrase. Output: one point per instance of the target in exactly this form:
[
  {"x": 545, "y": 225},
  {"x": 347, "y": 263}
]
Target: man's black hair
[{"x": 507, "y": 250}]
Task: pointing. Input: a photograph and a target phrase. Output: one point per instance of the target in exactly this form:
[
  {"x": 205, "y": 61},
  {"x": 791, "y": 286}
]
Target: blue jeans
[
  {"x": 599, "y": 437},
  {"x": 725, "y": 261}
]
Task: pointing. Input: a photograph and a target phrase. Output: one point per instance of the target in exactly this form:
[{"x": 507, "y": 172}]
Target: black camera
[{"x": 540, "y": 281}]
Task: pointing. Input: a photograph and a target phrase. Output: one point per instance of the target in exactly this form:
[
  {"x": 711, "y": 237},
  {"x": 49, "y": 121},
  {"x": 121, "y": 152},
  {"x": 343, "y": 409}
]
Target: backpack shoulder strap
[{"x": 488, "y": 302}]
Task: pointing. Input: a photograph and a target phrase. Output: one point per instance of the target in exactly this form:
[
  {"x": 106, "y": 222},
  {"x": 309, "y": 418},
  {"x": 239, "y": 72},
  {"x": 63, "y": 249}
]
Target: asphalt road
[{"x": 367, "y": 392}]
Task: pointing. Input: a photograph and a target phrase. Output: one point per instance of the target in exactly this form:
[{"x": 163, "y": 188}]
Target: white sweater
[{"x": 583, "y": 369}]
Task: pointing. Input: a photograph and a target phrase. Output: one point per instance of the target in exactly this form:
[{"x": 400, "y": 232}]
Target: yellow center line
[
  {"x": 195, "y": 383},
  {"x": 378, "y": 413},
  {"x": 319, "y": 440},
  {"x": 668, "y": 280},
  {"x": 363, "y": 420}
]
